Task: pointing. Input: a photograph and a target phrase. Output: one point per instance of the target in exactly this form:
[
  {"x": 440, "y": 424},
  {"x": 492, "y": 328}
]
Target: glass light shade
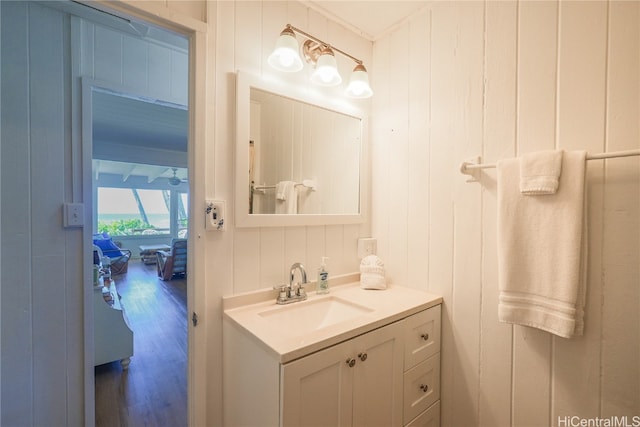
[
  {"x": 285, "y": 56},
  {"x": 359, "y": 83},
  {"x": 326, "y": 72}
]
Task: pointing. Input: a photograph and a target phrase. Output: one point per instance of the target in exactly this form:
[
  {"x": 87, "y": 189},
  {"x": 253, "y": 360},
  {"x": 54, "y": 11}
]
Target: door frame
[{"x": 195, "y": 31}]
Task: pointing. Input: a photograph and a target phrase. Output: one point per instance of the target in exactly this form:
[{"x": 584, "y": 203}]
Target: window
[
  {"x": 131, "y": 211},
  {"x": 183, "y": 214}
]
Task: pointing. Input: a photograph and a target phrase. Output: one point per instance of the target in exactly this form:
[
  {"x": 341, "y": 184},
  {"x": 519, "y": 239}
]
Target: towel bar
[{"x": 469, "y": 167}]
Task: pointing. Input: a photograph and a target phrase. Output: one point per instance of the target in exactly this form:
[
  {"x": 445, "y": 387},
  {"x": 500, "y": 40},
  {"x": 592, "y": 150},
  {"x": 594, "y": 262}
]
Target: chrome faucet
[
  {"x": 293, "y": 291},
  {"x": 292, "y": 272}
]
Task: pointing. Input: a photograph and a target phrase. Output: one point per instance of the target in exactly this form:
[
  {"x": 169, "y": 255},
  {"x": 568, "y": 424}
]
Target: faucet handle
[
  {"x": 282, "y": 289},
  {"x": 300, "y": 291}
]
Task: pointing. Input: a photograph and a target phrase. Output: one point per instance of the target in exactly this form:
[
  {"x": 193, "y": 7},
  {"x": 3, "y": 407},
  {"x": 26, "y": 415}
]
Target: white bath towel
[
  {"x": 540, "y": 172},
  {"x": 542, "y": 250},
  {"x": 286, "y": 198}
]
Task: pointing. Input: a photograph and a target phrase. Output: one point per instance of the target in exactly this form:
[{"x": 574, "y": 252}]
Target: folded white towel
[
  {"x": 541, "y": 250},
  {"x": 372, "y": 274},
  {"x": 286, "y": 198},
  {"x": 281, "y": 190},
  {"x": 540, "y": 172}
]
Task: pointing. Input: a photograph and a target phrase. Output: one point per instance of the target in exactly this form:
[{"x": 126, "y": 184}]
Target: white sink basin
[{"x": 312, "y": 314}]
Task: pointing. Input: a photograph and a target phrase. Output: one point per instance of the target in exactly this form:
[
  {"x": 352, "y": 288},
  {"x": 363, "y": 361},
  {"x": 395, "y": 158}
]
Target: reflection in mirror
[
  {"x": 303, "y": 159},
  {"x": 299, "y": 156}
]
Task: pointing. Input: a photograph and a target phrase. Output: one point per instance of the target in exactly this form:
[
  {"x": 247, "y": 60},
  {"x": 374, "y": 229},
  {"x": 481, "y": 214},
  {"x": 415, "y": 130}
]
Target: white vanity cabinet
[
  {"x": 357, "y": 382},
  {"x": 382, "y": 373}
]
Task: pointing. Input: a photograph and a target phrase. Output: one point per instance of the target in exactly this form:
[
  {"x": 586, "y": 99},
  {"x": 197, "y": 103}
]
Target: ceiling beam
[
  {"x": 157, "y": 174},
  {"x": 128, "y": 172}
]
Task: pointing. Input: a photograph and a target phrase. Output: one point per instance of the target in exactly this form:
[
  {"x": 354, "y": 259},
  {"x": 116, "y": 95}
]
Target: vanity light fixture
[{"x": 285, "y": 57}]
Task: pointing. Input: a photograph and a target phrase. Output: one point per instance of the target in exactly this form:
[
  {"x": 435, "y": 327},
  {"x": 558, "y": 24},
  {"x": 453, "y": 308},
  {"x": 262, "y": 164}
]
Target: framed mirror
[{"x": 299, "y": 156}]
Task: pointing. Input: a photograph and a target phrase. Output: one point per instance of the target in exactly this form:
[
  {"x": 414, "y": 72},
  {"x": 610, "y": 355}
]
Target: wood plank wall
[
  {"x": 139, "y": 66},
  {"x": 499, "y": 79},
  {"x": 41, "y": 302}
]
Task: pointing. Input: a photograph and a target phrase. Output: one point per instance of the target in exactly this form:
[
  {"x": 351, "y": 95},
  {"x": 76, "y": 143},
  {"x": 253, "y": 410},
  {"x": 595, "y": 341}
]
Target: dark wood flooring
[{"x": 153, "y": 391}]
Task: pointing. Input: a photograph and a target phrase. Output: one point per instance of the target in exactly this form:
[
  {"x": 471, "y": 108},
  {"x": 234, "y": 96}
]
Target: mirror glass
[{"x": 298, "y": 159}]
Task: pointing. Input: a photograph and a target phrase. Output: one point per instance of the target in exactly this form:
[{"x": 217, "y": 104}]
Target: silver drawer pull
[
  {"x": 351, "y": 362},
  {"x": 425, "y": 337},
  {"x": 424, "y": 387},
  {"x": 362, "y": 356}
]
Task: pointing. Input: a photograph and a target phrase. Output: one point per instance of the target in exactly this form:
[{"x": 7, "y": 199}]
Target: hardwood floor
[{"x": 153, "y": 391}]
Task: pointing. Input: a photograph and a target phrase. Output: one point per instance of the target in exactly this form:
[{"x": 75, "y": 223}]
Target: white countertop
[{"x": 287, "y": 344}]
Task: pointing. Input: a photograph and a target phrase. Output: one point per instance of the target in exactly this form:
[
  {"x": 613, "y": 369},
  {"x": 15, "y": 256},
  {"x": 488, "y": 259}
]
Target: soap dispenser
[{"x": 322, "y": 286}]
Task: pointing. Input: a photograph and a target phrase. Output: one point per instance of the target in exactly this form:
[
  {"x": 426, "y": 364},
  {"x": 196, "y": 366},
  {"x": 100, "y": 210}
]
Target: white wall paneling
[
  {"x": 620, "y": 394},
  {"x": 419, "y": 117},
  {"x": 16, "y": 246},
  {"x": 146, "y": 67},
  {"x": 499, "y": 79},
  {"x": 41, "y": 340},
  {"x": 465, "y": 141},
  {"x": 536, "y": 75},
  {"x": 499, "y": 135},
  {"x": 581, "y": 106}
]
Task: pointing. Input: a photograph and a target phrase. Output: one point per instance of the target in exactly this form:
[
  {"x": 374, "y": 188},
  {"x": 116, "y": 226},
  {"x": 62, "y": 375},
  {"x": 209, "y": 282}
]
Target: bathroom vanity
[{"x": 353, "y": 357}]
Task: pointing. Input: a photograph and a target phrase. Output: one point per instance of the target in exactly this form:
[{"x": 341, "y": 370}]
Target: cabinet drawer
[
  {"x": 422, "y": 336},
  {"x": 421, "y": 387},
  {"x": 429, "y": 418}
]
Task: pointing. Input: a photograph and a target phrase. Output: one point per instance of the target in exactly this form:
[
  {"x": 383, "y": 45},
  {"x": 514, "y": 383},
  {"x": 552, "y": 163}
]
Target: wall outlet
[
  {"x": 215, "y": 218},
  {"x": 367, "y": 246},
  {"x": 73, "y": 214}
]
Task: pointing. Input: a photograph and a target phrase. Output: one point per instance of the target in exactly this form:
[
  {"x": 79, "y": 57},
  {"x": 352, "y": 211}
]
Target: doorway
[{"x": 137, "y": 140}]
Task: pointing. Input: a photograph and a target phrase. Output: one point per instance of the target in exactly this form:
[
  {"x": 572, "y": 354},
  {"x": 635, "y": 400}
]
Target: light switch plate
[
  {"x": 215, "y": 215},
  {"x": 73, "y": 214}
]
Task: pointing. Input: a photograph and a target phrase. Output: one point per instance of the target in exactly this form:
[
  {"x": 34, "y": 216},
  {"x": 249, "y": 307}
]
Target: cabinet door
[
  {"x": 378, "y": 375},
  {"x": 317, "y": 390}
]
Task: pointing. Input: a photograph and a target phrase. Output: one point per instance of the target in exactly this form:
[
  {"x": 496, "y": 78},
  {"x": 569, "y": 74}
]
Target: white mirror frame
[{"x": 244, "y": 83}]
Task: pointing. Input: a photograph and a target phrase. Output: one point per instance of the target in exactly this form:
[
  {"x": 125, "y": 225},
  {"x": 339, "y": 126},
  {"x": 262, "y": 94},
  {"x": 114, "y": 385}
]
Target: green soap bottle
[{"x": 322, "y": 287}]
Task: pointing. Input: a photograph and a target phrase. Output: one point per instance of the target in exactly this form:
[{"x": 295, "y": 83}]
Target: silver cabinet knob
[
  {"x": 362, "y": 356},
  {"x": 424, "y": 387},
  {"x": 351, "y": 362},
  {"x": 425, "y": 336}
]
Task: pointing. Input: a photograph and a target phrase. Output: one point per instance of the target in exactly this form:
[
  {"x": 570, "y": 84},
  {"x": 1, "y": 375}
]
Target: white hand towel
[
  {"x": 541, "y": 250},
  {"x": 281, "y": 190},
  {"x": 540, "y": 172},
  {"x": 286, "y": 198}
]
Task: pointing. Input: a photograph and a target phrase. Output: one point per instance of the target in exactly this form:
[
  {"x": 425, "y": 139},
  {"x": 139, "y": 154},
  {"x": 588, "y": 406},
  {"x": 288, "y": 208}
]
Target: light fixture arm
[{"x": 317, "y": 40}]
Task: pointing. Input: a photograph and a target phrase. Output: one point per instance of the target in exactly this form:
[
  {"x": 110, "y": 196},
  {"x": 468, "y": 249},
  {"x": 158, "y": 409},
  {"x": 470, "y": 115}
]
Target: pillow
[{"x": 107, "y": 246}]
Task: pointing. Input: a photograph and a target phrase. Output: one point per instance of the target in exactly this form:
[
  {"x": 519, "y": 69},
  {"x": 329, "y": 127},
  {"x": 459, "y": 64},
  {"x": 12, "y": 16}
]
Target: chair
[
  {"x": 119, "y": 257},
  {"x": 174, "y": 261}
]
